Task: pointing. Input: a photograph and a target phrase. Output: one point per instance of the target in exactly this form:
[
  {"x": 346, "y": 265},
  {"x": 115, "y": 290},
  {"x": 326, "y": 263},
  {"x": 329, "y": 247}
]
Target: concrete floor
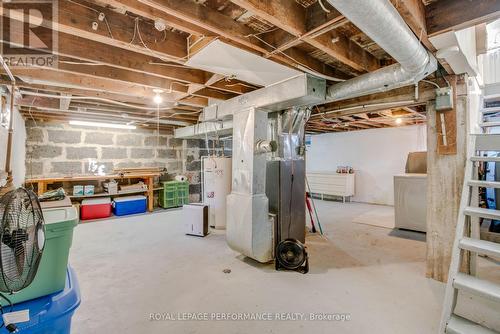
[{"x": 129, "y": 268}]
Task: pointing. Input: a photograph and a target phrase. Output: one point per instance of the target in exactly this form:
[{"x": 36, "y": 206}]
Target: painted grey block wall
[{"x": 59, "y": 149}]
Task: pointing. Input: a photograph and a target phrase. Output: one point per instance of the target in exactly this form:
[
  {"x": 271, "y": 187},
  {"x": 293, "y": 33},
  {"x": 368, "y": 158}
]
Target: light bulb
[{"x": 157, "y": 99}]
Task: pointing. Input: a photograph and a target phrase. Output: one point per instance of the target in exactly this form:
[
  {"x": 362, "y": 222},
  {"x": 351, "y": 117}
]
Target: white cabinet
[{"x": 331, "y": 183}]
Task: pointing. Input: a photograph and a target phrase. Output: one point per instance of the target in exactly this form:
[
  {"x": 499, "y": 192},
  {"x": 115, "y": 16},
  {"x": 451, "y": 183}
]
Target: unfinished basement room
[{"x": 250, "y": 166}]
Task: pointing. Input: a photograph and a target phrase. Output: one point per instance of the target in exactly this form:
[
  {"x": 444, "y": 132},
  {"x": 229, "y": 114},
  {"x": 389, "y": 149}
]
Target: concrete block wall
[{"x": 60, "y": 149}]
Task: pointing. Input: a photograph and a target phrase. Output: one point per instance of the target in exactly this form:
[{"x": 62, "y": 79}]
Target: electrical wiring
[
  {"x": 79, "y": 63},
  {"x": 29, "y": 111},
  {"x": 93, "y": 98},
  {"x": 172, "y": 115},
  {"x": 155, "y": 54},
  {"x": 165, "y": 64},
  {"x": 431, "y": 82},
  {"x": 109, "y": 28},
  {"x": 98, "y": 12},
  {"x": 136, "y": 33},
  {"x": 240, "y": 84},
  {"x": 323, "y": 6}
]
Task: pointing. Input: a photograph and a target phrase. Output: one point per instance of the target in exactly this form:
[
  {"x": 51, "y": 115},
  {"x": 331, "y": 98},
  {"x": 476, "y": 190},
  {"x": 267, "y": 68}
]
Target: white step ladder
[{"x": 468, "y": 235}]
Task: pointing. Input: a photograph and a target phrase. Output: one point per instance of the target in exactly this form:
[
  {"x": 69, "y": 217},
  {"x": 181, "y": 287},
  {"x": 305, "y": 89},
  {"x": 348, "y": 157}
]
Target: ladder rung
[
  {"x": 459, "y": 325},
  {"x": 485, "y": 159},
  {"x": 488, "y": 142},
  {"x": 480, "y": 246},
  {"x": 485, "y": 184},
  {"x": 480, "y": 212},
  {"x": 492, "y": 97},
  {"x": 489, "y": 124},
  {"x": 491, "y": 109},
  {"x": 477, "y": 287}
]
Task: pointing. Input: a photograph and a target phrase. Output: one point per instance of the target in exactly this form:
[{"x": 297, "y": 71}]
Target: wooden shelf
[
  {"x": 147, "y": 178},
  {"x": 93, "y": 177},
  {"x": 109, "y": 195}
]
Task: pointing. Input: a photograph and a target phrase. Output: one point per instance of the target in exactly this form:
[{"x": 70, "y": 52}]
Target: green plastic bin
[
  {"x": 51, "y": 274},
  {"x": 174, "y": 194}
]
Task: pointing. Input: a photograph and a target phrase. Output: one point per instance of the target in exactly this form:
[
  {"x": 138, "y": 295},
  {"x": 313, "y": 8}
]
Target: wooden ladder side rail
[{"x": 457, "y": 255}]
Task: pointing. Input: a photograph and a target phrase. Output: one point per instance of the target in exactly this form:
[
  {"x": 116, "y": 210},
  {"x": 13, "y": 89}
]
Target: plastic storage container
[
  {"x": 51, "y": 274},
  {"x": 95, "y": 208},
  {"x": 52, "y": 313},
  {"x": 174, "y": 194},
  {"x": 129, "y": 205}
]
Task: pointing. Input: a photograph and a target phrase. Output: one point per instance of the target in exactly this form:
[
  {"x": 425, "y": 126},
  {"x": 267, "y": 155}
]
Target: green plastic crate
[
  {"x": 174, "y": 194},
  {"x": 51, "y": 274}
]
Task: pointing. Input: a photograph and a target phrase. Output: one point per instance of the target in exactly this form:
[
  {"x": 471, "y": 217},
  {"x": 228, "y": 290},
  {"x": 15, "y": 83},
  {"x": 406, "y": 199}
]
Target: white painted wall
[
  {"x": 376, "y": 156},
  {"x": 18, "y": 151}
]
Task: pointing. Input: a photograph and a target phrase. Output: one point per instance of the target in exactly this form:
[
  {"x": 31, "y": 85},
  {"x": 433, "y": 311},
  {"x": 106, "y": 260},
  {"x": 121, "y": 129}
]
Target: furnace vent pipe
[{"x": 380, "y": 21}]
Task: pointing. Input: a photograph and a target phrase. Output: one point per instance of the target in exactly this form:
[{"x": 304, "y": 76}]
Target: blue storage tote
[
  {"x": 52, "y": 313},
  {"x": 129, "y": 205}
]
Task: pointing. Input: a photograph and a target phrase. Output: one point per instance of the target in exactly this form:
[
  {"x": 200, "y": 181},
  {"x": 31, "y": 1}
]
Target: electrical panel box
[{"x": 444, "y": 99}]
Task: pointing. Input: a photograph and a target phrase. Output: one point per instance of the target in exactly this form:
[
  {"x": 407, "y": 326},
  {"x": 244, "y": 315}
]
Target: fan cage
[
  {"x": 20, "y": 251},
  {"x": 291, "y": 254}
]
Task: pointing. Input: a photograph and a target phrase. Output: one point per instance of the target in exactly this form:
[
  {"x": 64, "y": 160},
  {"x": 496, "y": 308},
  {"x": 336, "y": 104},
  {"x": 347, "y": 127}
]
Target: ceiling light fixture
[
  {"x": 157, "y": 98},
  {"x": 160, "y": 24},
  {"x": 399, "y": 120},
  {"x": 103, "y": 125}
]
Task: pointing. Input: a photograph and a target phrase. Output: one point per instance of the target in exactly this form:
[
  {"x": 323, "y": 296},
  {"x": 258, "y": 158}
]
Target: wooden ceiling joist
[
  {"x": 137, "y": 8},
  {"x": 216, "y": 24},
  {"x": 447, "y": 15},
  {"x": 291, "y": 17},
  {"x": 68, "y": 79}
]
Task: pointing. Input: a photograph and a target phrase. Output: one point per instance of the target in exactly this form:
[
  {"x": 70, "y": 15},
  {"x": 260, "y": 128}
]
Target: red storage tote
[{"x": 95, "y": 208}]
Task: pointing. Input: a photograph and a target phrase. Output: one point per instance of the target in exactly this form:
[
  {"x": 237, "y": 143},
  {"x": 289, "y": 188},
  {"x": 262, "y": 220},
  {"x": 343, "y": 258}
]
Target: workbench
[{"x": 147, "y": 178}]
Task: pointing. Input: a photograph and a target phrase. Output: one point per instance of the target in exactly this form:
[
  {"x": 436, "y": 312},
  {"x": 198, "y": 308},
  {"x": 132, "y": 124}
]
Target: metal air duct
[{"x": 379, "y": 20}]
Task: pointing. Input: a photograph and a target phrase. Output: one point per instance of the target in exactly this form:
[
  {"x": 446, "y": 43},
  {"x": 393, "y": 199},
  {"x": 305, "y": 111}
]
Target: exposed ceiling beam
[
  {"x": 50, "y": 87},
  {"x": 68, "y": 79},
  {"x": 91, "y": 51},
  {"x": 77, "y": 20},
  {"x": 116, "y": 113},
  {"x": 215, "y": 23},
  {"x": 400, "y": 97},
  {"x": 413, "y": 12},
  {"x": 446, "y": 15},
  {"x": 291, "y": 17},
  {"x": 140, "y": 9},
  {"x": 64, "y": 117}
]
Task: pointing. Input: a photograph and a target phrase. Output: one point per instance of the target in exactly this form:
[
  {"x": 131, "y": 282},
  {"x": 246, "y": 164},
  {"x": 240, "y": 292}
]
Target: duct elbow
[{"x": 382, "y": 80}]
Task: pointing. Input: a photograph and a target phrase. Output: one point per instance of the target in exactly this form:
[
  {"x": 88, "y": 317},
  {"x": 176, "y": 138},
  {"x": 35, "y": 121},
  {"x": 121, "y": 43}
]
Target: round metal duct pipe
[{"x": 379, "y": 20}]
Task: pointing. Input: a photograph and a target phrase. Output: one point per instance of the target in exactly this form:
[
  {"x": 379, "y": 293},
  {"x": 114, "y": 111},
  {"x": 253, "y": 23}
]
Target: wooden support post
[
  {"x": 150, "y": 183},
  {"x": 445, "y": 175},
  {"x": 42, "y": 188}
]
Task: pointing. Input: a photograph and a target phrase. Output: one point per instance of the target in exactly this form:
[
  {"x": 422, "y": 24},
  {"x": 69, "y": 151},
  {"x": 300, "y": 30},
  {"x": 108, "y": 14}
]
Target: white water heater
[{"x": 216, "y": 186}]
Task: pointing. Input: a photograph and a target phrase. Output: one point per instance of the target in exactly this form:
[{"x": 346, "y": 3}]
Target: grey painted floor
[{"x": 129, "y": 268}]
